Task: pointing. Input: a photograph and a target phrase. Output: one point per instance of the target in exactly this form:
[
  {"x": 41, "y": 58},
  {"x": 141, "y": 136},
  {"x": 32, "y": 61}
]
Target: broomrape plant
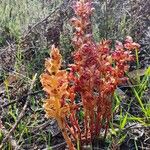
[{"x": 94, "y": 76}]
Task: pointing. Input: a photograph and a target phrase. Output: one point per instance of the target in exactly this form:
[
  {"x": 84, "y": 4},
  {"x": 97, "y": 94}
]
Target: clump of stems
[{"x": 97, "y": 71}]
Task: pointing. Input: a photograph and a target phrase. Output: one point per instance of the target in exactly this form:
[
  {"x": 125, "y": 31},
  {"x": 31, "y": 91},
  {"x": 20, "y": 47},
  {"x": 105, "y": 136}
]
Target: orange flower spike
[
  {"x": 55, "y": 83},
  {"x": 55, "y": 62}
]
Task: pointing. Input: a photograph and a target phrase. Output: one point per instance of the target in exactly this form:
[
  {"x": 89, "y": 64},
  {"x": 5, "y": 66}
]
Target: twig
[
  {"x": 56, "y": 146},
  {"x": 10, "y": 138},
  {"x": 41, "y": 127},
  {"x": 16, "y": 100},
  {"x": 10, "y": 103},
  {"x": 21, "y": 114}
]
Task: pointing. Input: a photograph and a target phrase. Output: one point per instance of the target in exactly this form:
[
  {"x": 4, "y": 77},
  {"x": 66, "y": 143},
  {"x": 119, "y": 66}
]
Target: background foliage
[{"x": 28, "y": 28}]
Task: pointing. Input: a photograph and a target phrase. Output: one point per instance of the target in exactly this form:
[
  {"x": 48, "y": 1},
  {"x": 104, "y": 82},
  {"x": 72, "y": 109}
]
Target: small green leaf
[
  {"x": 122, "y": 139},
  {"x": 147, "y": 72},
  {"x": 12, "y": 115},
  {"x": 124, "y": 121}
]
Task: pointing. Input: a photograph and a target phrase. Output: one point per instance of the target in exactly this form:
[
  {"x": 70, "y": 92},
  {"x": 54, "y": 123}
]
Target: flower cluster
[
  {"x": 97, "y": 71},
  {"x": 55, "y": 83}
]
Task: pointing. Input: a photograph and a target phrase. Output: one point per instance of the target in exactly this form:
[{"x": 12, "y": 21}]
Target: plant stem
[
  {"x": 77, "y": 125},
  {"x": 65, "y": 135}
]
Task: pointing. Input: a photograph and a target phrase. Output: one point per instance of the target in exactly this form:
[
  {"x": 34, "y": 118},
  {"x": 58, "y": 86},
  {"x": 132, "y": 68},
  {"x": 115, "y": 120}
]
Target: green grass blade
[{"x": 124, "y": 122}]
